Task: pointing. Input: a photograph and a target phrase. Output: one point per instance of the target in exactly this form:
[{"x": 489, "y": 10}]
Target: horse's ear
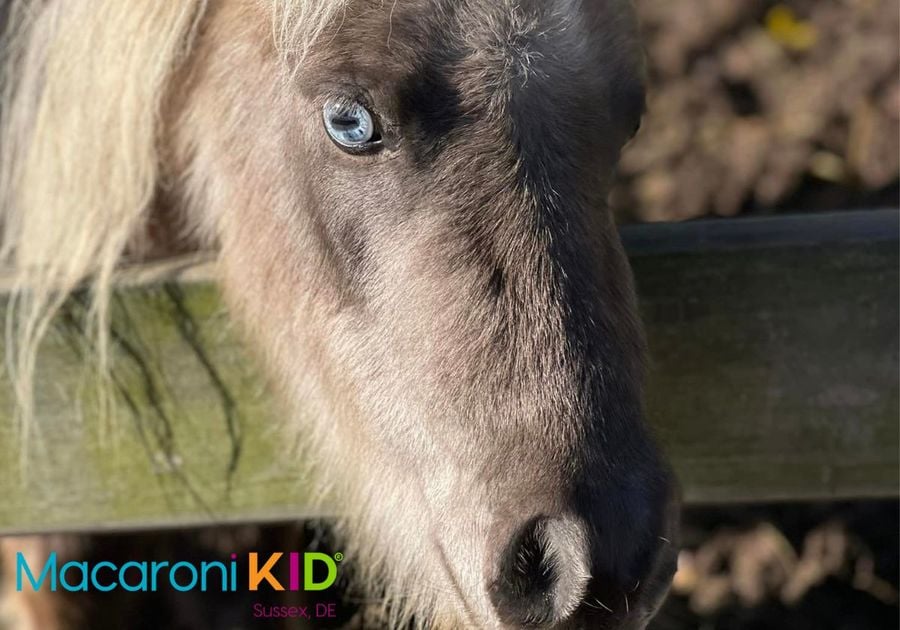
[
  {"x": 621, "y": 62},
  {"x": 634, "y": 105},
  {"x": 627, "y": 103}
]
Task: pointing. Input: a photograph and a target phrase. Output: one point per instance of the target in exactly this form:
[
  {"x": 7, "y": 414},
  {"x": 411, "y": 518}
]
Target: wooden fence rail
[{"x": 774, "y": 376}]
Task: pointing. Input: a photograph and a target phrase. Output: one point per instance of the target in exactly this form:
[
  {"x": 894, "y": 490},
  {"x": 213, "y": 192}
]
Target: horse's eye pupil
[
  {"x": 350, "y": 126},
  {"x": 344, "y": 122}
]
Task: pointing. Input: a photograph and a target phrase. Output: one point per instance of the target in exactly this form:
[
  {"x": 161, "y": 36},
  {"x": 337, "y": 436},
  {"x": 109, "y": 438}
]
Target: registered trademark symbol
[{"x": 338, "y": 556}]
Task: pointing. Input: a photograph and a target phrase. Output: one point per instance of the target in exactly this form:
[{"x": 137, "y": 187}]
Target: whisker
[{"x": 602, "y": 605}]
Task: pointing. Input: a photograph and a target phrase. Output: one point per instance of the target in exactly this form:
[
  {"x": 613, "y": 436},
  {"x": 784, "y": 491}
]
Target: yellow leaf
[{"x": 785, "y": 28}]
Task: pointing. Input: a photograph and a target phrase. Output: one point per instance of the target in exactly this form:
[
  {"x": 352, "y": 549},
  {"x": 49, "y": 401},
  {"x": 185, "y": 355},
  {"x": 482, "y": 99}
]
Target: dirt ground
[{"x": 760, "y": 106}]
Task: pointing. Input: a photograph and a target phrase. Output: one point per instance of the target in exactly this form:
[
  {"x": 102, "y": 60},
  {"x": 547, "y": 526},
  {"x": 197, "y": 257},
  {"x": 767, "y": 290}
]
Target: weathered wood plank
[{"x": 774, "y": 376}]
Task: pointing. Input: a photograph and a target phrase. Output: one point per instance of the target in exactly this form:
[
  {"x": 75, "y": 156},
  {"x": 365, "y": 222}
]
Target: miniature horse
[{"x": 408, "y": 201}]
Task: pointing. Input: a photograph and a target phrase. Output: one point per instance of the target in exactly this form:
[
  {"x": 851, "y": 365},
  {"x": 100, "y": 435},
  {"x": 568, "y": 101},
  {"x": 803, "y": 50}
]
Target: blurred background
[
  {"x": 757, "y": 108},
  {"x": 762, "y": 107}
]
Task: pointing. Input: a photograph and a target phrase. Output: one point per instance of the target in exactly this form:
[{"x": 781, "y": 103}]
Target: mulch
[
  {"x": 759, "y": 106},
  {"x": 790, "y": 566}
]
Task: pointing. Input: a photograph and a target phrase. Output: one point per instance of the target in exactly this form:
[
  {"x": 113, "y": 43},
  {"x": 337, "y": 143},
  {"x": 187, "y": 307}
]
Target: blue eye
[{"x": 350, "y": 125}]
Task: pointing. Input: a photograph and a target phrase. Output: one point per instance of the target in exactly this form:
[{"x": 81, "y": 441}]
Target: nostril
[{"x": 543, "y": 573}]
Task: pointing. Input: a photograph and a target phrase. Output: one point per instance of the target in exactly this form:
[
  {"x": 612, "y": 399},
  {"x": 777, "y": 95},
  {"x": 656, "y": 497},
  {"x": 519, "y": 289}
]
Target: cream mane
[{"x": 83, "y": 83}]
